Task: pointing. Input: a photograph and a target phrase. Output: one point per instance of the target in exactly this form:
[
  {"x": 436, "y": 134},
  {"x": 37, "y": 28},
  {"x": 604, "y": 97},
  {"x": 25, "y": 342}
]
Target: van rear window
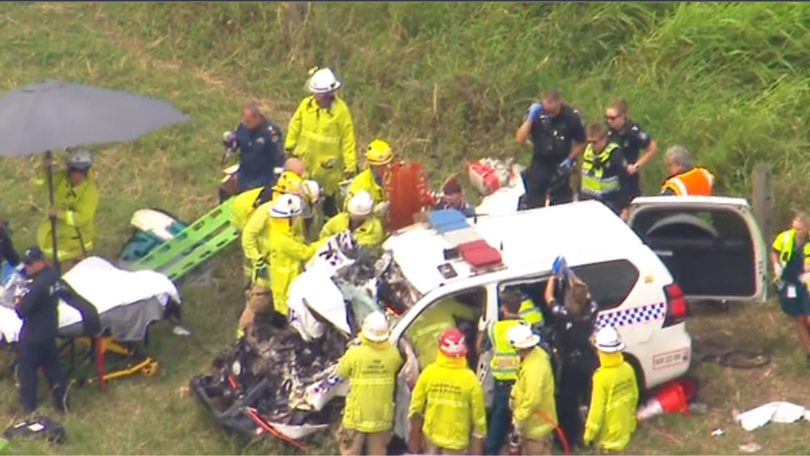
[{"x": 609, "y": 282}]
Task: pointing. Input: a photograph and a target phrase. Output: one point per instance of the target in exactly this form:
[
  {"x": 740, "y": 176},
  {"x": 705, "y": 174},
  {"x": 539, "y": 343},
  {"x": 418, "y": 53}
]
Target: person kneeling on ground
[
  {"x": 614, "y": 399},
  {"x": 360, "y": 220},
  {"x": 38, "y": 309},
  {"x": 371, "y": 369},
  {"x": 790, "y": 248},
  {"x": 447, "y": 405},
  {"x": 534, "y": 413}
]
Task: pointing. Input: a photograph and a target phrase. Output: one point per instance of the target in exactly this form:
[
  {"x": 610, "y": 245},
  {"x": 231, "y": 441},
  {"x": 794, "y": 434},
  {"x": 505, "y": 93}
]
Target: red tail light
[{"x": 677, "y": 308}]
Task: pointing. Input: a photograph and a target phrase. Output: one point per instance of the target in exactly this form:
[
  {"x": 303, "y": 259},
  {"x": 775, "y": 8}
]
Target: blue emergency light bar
[{"x": 455, "y": 229}]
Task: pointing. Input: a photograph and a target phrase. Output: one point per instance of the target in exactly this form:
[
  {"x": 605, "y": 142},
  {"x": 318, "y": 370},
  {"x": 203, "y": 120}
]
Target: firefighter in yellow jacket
[
  {"x": 367, "y": 229},
  {"x": 614, "y": 398},
  {"x": 256, "y": 246},
  {"x": 447, "y": 414},
  {"x": 321, "y": 133},
  {"x": 424, "y": 332},
  {"x": 76, "y": 200},
  {"x": 288, "y": 253},
  {"x": 378, "y": 160},
  {"x": 245, "y": 204},
  {"x": 371, "y": 369},
  {"x": 534, "y": 412}
]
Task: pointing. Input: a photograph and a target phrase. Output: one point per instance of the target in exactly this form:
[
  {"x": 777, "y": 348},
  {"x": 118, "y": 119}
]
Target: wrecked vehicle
[{"x": 282, "y": 383}]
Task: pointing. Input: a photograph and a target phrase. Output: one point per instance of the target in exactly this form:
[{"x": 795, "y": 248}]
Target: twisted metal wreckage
[{"x": 282, "y": 382}]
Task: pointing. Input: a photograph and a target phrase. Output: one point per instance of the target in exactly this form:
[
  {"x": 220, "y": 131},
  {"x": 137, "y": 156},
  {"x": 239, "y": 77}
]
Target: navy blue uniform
[
  {"x": 552, "y": 138},
  {"x": 38, "y": 308},
  {"x": 632, "y": 139},
  {"x": 261, "y": 154}
]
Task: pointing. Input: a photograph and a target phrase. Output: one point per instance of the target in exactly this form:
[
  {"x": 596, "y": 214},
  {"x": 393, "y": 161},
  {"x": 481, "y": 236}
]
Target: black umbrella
[{"x": 52, "y": 115}]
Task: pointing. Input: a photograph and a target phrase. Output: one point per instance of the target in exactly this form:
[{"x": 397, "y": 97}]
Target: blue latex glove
[
  {"x": 534, "y": 111},
  {"x": 559, "y": 267},
  {"x": 567, "y": 163}
]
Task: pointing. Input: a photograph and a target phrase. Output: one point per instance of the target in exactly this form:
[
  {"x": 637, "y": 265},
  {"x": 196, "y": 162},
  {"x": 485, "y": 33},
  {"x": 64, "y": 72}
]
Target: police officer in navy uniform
[
  {"x": 573, "y": 315},
  {"x": 558, "y": 138},
  {"x": 261, "y": 149},
  {"x": 632, "y": 139},
  {"x": 38, "y": 309}
]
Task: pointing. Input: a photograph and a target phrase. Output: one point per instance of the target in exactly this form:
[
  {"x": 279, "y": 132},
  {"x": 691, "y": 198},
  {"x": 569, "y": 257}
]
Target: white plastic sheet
[{"x": 772, "y": 412}]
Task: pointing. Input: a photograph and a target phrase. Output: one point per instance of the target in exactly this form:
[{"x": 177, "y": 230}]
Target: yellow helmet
[
  {"x": 379, "y": 153},
  {"x": 288, "y": 182}
]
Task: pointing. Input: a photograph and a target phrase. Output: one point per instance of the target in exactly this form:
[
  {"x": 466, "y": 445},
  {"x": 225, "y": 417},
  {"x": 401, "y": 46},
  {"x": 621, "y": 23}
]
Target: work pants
[
  {"x": 537, "y": 447},
  {"x": 545, "y": 180},
  {"x": 500, "y": 417},
  {"x": 259, "y": 300},
  {"x": 351, "y": 442},
  {"x": 329, "y": 206},
  {"x": 32, "y": 357}
]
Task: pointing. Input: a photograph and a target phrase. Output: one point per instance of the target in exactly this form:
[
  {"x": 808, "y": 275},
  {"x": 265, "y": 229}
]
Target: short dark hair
[
  {"x": 552, "y": 95},
  {"x": 597, "y": 129},
  {"x": 511, "y": 299},
  {"x": 619, "y": 105}
]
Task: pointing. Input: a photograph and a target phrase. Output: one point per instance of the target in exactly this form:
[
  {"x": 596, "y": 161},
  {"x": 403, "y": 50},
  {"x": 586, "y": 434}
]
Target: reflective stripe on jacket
[
  {"x": 76, "y": 208},
  {"x": 695, "y": 182},
  {"x": 425, "y": 330},
  {"x": 365, "y": 181},
  {"x": 614, "y": 399},
  {"x": 597, "y": 179},
  {"x": 505, "y": 360},
  {"x": 529, "y": 312},
  {"x": 371, "y": 369},
  {"x": 449, "y": 396},
  {"x": 287, "y": 257},
  {"x": 324, "y": 140},
  {"x": 532, "y": 395}
]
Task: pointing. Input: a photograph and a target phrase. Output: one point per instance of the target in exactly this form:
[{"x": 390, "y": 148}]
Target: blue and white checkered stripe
[{"x": 628, "y": 317}]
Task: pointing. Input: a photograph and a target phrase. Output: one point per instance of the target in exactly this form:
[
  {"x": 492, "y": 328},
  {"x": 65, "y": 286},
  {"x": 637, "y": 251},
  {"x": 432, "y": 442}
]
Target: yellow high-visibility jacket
[
  {"x": 371, "y": 369},
  {"x": 533, "y": 393},
  {"x": 425, "y": 330},
  {"x": 614, "y": 399},
  {"x": 76, "y": 208},
  {"x": 369, "y": 234},
  {"x": 449, "y": 396},
  {"x": 324, "y": 140}
]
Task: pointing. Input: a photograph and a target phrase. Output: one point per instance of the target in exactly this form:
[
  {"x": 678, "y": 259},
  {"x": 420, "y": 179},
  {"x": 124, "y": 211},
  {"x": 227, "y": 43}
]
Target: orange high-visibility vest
[{"x": 695, "y": 182}]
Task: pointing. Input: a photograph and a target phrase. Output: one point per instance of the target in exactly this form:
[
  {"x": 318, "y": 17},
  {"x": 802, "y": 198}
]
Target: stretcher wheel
[{"x": 150, "y": 369}]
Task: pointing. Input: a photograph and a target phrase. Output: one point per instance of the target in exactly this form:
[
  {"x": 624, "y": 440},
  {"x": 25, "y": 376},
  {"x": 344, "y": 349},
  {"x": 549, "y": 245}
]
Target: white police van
[{"x": 711, "y": 245}]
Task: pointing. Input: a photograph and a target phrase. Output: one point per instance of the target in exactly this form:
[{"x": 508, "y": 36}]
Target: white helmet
[
  {"x": 608, "y": 340},
  {"x": 521, "y": 336},
  {"x": 375, "y": 327},
  {"x": 324, "y": 81},
  {"x": 361, "y": 204},
  {"x": 311, "y": 190},
  {"x": 286, "y": 206},
  {"x": 80, "y": 159}
]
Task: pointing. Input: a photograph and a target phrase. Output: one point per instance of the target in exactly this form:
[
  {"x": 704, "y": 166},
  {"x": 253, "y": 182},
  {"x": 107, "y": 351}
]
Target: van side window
[
  {"x": 461, "y": 310},
  {"x": 609, "y": 282}
]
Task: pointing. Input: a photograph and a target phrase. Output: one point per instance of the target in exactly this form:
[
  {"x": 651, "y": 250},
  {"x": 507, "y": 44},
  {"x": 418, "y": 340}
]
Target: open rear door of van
[{"x": 712, "y": 246}]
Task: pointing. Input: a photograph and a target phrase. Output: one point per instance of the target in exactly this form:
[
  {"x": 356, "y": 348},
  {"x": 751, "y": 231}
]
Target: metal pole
[{"x": 49, "y": 156}]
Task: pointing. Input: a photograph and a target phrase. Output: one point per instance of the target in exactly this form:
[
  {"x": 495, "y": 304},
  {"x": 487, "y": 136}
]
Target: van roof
[{"x": 523, "y": 238}]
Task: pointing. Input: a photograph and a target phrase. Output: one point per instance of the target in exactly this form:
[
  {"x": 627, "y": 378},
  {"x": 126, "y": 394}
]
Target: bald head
[{"x": 295, "y": 165}]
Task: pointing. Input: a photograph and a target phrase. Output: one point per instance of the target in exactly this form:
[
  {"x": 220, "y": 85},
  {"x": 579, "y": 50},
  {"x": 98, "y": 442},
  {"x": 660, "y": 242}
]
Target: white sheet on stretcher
[{"x": 105, "y": 286}]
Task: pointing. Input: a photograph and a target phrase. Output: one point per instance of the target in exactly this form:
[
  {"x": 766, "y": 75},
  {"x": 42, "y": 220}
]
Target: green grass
[{"x": 443, "y": 83}]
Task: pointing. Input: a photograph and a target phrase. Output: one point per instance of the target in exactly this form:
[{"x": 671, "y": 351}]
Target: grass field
[{"x": 443, "y": 83}]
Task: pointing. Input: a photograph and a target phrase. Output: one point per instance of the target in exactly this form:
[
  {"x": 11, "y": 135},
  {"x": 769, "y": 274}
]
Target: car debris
[{"x": 283, "y": 380}]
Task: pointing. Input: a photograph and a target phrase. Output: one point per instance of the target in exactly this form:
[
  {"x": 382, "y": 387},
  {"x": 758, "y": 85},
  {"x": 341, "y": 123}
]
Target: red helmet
[{"x": 452, "y": 343}]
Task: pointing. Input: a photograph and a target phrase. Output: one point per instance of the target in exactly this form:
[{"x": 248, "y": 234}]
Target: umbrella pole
[{"x": 53, "y": 219}]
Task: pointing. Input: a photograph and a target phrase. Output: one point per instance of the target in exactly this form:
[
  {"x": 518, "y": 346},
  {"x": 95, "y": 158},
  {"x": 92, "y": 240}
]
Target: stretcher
[
  {"x": 175, "y": 249},
  {"x": 125, "y": 304}
]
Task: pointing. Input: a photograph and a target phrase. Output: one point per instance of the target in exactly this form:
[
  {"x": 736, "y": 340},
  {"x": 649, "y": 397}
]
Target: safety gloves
[
  {"x": 567, "y": 164},
  {"x": 260, "y": 270},
  {"x": 381, "y": 209},
  {"x": 560, "y": 267},
  {"x": 229, "y": 140},
  {"x": 534, "y": 111}
]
